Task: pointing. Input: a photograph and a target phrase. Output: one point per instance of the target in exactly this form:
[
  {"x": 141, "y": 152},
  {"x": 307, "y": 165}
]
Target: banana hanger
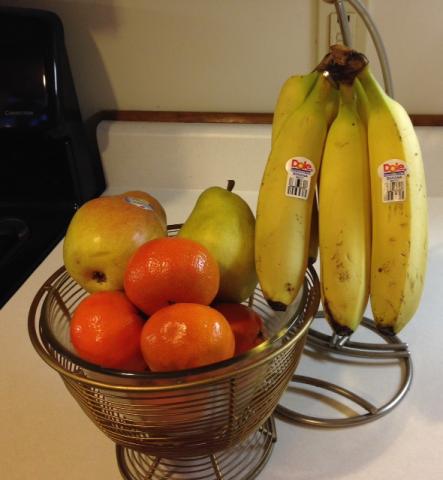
[{"x": 339, "y": 349}]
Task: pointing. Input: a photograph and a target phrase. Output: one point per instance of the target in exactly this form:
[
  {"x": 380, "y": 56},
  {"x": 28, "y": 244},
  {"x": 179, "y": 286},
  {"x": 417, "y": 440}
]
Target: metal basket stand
[
  {"x": 329, "y": 346},
  {"x": 333, "y": 346},
  {"x": 244, "y": 461},
  {"x": 210, "y": 423}
]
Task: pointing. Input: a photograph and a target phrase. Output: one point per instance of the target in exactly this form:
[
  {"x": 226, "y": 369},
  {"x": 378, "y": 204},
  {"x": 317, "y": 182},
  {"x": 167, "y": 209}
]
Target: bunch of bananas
[{"x": 350, "y": 148}]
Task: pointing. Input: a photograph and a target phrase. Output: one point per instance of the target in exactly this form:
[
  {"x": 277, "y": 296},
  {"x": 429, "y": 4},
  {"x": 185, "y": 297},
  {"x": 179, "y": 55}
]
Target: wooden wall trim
[
  {"x": 183, "y": 117},
  {"x": 427, "y": 120},
  {"x": 219, "y": 117}
]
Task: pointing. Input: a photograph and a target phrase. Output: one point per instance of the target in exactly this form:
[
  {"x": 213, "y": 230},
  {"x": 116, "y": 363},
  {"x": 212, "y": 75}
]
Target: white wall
[{"x": 228, "y": 55}]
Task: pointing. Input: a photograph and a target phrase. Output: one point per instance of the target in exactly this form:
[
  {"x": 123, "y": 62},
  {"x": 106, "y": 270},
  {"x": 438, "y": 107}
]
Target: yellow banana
[
  {"x": 313, "y": 234},
  {"x": 292, "y": 94},
  {"x": 285, "y": 198},
  {"x": 399, "y": 210},
  {"x": 331, "y": 109},
  {"x": 344, "y": 218}
]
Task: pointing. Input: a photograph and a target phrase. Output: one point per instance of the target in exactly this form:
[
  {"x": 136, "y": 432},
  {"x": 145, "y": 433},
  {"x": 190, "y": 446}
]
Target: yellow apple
[
  {"x": 153, "y": 202},
  {"x": 104, "y": 233}
]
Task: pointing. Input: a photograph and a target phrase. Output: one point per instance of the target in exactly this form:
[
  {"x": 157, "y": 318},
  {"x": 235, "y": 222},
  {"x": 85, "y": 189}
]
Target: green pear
[{"x": 223, "y": 222}]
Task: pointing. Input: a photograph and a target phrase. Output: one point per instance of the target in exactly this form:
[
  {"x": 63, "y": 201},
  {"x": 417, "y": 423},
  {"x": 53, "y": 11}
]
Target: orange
[
  {"x": 105, "y": 329},
  {"x": 186, "y": 335},
  {"x": 171, "y": 270},
  {"x": 246, "y": 325}
]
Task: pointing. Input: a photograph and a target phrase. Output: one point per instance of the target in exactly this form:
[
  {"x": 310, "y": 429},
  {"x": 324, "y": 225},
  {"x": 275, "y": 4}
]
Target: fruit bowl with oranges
[{"x": 162, "y": 365}]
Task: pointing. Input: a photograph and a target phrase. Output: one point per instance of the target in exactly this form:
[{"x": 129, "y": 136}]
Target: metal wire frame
[
  {"x": 242, "y": 462},
  {"x": 393, "y": 348},
  {"x": 373, "y": 32}
]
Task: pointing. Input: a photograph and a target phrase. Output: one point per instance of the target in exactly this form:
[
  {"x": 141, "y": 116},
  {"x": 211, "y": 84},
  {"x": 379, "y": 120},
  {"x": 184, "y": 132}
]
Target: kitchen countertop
[{"x": 45, "y": 434}]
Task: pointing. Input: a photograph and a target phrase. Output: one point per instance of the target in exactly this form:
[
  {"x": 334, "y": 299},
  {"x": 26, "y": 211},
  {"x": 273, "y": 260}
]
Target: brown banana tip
[
  {"x": 311, "y": 260},
  {"x": 341, "y": 330},
  {"x": 386, "y": 330},
  {"x": 277, "y": 306}
]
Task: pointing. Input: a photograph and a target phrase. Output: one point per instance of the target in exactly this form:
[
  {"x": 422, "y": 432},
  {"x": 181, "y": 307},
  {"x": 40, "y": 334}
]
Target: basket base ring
[
  {"x": 392, "y": 348},
  {"x": 243, "y": 461}
]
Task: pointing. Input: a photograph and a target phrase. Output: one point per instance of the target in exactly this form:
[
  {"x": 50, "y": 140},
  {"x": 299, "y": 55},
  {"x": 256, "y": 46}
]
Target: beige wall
[
  {"x": 412, "y": 32},
  {"x": 228, "y": 55}
]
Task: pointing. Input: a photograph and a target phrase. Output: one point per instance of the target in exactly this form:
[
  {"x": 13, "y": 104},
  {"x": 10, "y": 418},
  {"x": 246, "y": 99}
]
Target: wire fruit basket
[{"x": 184, "y": 414}]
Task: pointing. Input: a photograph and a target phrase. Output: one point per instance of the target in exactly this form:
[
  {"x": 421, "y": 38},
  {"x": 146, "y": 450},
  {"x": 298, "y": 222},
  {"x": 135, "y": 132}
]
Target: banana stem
[
  {"x": 347, "y": 93},
  {"x": 362, "y": 101},
  {"x": 321, "y": 90},
  {"x": 372, "y": 88},
  {"x": 343, "y": 63}
]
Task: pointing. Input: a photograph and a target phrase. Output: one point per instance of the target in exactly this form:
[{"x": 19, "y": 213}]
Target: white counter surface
[{"x": 45, "y": 434}]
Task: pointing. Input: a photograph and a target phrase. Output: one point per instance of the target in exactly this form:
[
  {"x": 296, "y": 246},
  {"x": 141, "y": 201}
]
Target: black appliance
[{"x": 48, "y": 165}]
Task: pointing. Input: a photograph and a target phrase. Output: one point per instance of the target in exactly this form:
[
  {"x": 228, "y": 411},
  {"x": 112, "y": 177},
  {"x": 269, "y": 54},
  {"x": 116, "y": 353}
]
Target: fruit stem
[
  {"x": 371, "y": 87},
  {"x": 321, "y": 91},
  {"x": 347, "y": 93},
  {"x": 343, "y": 63},
  {"x": 362, "y": 101},
  {"x": 230, "y": 186}
]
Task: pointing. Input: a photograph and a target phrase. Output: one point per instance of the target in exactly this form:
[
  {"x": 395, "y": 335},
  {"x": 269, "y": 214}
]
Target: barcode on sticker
[
  {"x": 297, "y": 187},
  {"x": 298, "y": 181},
  {"x": 394, "y": 190}
]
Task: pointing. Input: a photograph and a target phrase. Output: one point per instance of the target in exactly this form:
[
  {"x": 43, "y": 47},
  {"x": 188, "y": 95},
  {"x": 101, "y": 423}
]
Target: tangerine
[
  {"x": 186, "y": 335},
  {"x": 171, "y": 270},
  {"x": 105, "y": 329},
  {"x": 246, "y": 325}
]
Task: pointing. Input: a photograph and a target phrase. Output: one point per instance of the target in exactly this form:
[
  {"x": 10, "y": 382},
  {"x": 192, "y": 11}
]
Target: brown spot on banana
[
  {"x": 385, "y": 268},
  {"x": 343, "y": 276}
]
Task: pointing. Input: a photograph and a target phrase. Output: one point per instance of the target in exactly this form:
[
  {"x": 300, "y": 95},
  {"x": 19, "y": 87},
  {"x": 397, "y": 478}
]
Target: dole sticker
[
  {"x": 298, "y": 181},
  {"x": 393, "y": 175},
  {"x": 139, "y": 202}
]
